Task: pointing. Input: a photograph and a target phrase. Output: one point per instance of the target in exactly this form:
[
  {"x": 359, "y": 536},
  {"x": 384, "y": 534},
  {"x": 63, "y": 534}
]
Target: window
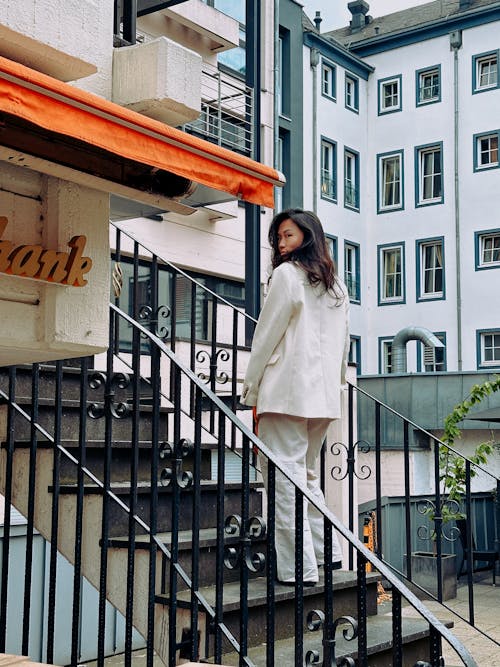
[
  {"x": 390, "y": 181},
  {"x": 486, "y": 151},
  {"x": 234, "y": 59},
  {"x": 429, "y": 179},
  {"x": 351, "y": 92},
  {"x": 488, "y": 348},
  {"x": 332, "y": 243},
  {"x": 428, "y": 85},
  {"x": 389, "y": 95},
  {"x": 487, "y": 249},
  {"x": 484, "y": 72},
  {"x": 430, "y": 269},
  {"x": 351, "y": 179},
  {"x": 354, "y": 355},
  {"x": 328, "y": 80},
  {"x": 432, "y": 359},
  {"x": 328, "y": 169},
  {"x": 283, "y": 88},
  {"x": 385, "y": 355},
  {"x": 391, "y": 273},
  {"x": 351, "y": 270}
]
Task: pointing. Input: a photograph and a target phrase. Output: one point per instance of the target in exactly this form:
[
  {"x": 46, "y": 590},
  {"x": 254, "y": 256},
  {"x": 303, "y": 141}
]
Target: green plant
[{"x": 452, "y": 466}]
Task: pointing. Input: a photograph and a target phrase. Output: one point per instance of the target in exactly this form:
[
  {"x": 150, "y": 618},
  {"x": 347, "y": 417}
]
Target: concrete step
[
  {"x": 345, "y": 600},
  {"x": 118, "y": 518},
  {"x": 415, "y": 636},
  {"x": 207, "y": 553}
]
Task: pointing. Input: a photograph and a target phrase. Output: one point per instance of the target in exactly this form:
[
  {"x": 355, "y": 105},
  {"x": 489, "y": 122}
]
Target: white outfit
[{"x": 294, "y": 376}]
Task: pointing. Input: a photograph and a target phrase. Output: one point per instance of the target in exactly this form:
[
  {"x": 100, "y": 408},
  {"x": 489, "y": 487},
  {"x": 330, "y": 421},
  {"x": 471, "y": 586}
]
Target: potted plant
[{"x": 453, "y": 478}]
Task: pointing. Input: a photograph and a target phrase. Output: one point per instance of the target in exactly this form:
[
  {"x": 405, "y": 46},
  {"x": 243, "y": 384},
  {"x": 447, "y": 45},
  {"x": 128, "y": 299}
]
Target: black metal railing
[
  {"x": 429, "y": 522},
  {"x": 123, "y": 489}
]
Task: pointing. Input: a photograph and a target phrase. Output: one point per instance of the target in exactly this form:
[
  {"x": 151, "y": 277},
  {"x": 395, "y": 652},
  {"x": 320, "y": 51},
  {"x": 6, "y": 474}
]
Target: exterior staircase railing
[{"x": 120, "y": 487}]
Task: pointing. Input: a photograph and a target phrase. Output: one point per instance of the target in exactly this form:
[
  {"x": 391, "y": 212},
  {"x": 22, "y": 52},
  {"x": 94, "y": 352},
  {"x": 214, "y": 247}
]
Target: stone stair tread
[
  {"x": 379, "y": 638},
  {"x": 208, "y": 538},
  {"x": 257, "y": 590}
]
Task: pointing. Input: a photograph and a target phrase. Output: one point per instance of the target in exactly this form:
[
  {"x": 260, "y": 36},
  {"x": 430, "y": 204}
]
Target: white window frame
[
  {"x": 489, "y": 340},
  {"x": 439, "y": 356},
  {"x": 386, "y": 356},
  {"x": 396, "y": 181},
  {"x": 390, "y": 100},
  {"x": 351, "y": 185},
  {"x": 434, "y": 86},
  {"x": 426, "y": 176},
  {"x": 487, "y": 68},
  {"x": 395, "y": 275},
  {"x": 489, "y": 150},
  {"x": 351, "y": 270},
  {"x": 328, "y": 74},
  {"x": 494, "y": 249},
  {"x": 351, "y": 93},
  {"x": 328, "y": 168},
  {"x": 432, "y": 271}
]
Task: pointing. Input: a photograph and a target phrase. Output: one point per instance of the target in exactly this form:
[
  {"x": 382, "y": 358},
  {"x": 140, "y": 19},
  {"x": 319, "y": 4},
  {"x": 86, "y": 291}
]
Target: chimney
[
  {"x": 317, "y": 21},
  {"x": 358, "y": 9}
]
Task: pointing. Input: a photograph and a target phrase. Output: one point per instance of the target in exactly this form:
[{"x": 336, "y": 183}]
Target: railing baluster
[
  {"x": 234, "y": 376},
  {"x": 438, "y": 523},
  {"x": 397, "y": 633},
  {"x": 192, "y": 344},
  {"x": 54, "y": 527},
  {"x": 299, "y": 576},
  {"x": 246, "y": 544},
  {"x": 350, "y": 468},
  {"x": 378, "y": 481},
  {"x": 362, "y": 612},
  {"x": 195, "y": 548},
  {"x": 80, "y": 493},
  {"x": 406, "y": 455},
  {"x": 270, "y": 562},
  {"x": 469, "y": 540},
  {"x": 219, "y": 564},
  {"x": 28, "y": 565}
]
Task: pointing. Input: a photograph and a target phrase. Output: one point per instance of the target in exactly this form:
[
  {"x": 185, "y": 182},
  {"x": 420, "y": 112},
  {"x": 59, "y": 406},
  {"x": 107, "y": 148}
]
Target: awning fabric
[{"x": 64, "y": 109}]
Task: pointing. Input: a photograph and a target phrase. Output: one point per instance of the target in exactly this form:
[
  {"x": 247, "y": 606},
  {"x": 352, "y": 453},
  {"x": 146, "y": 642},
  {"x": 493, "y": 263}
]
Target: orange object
[{"x": 67, "y": 110}]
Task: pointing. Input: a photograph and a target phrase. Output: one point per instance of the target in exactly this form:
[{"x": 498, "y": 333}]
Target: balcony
[
  {"x": 226, "y": 111},
  {"x": 158, "y": 78}
]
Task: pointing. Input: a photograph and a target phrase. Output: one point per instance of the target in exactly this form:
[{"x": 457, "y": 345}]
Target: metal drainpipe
[
  {"x": 398, "y": 348},
  {"x": 314, "y": 67},
  {"x": 455, "y": 44},
  {"x": 276, "y": 64}
]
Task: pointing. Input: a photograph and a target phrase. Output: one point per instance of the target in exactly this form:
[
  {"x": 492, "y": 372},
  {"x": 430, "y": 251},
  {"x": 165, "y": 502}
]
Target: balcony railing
[{"x": 226, "y": 111}]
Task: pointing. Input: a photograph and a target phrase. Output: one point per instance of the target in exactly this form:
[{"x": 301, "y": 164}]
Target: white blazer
[{"x": 299, "y": 351}]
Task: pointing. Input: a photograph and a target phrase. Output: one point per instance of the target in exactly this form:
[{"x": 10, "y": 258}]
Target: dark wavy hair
[{"x": 313, "y": 255}]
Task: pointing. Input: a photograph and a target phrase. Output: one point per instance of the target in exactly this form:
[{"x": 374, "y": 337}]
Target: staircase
[{"x": 122, "y": 464}]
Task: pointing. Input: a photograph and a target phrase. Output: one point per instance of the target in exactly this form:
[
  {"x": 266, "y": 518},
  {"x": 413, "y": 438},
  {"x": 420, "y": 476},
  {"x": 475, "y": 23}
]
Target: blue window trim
[
  {"x": 355, "y": 80},
  {"x": 380, "y": 157},
  {"x": 381, "y": 340},
  {"x": 480, "y": 365},
  {"x": 425, "y": 70},
  {"x": 475, "y": 140},
  {"x": 380, "y": 249},
  {"x": 477, "y": 249},
  {"x": 335, "y": 169},
  {"x": 333, "y": 67},
  {"x": 420, "y": 367},
  {"x": 480, "y": 56},
  {"x": 357, "y": 277},
  {"x": 380, "y": 83},
  {"x": 335, "y": 247},
  {"x": 418, "y": 258},
  {"x": 356, "y": 206},
  {"x": 418, "y": 150},
  {"x": 357, "y": 341}
]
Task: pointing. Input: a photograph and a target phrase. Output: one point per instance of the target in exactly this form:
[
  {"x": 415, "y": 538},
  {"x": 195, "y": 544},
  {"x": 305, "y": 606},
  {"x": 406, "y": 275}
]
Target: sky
[{"x": 336, "y": 15}]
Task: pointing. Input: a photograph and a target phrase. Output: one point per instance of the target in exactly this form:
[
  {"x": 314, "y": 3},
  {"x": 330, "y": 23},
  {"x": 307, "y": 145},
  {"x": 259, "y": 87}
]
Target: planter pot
[{"x": 424, "y": 573}]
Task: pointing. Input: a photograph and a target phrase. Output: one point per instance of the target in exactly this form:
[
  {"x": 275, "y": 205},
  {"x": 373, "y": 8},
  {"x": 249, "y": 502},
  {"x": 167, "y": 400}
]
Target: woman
[{"x": 295, "y": 374}]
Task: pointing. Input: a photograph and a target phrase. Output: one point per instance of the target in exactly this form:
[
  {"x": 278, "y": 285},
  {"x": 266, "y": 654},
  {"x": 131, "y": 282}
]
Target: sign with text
[{"x": 53, "y": 266}]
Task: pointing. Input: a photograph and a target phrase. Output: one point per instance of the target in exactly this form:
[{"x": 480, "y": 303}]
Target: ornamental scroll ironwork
[
  {"x": 253, "y": 529},
  {"x": 220, "y": 355},
  {"x": 176, "y": 453},
  {"x": 363, "y": 472},
  {"x": 316, "y": 622},
  {"x": 427, "y": 507},
  {"x": 151, "y": 318},
  {"x": 118, "y": 409}
]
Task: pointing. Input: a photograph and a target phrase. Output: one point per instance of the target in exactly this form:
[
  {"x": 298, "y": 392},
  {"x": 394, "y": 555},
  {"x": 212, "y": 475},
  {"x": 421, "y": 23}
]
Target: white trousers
[{"x": 297, "y": 443}]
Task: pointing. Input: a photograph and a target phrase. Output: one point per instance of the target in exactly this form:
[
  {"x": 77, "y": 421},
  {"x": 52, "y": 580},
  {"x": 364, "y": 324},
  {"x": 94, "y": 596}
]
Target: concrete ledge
[{"x": 19, "y": 660}]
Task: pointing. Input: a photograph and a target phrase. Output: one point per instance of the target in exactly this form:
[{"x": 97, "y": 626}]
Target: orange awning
[{"x": 65, "y": 110}]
